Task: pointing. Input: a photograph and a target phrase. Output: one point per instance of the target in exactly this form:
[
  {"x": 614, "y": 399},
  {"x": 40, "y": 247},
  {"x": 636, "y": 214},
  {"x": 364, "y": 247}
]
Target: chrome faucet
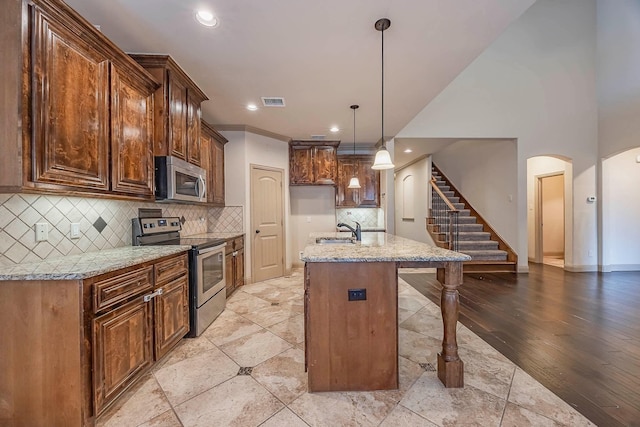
[{"x": 357, "y": 232}]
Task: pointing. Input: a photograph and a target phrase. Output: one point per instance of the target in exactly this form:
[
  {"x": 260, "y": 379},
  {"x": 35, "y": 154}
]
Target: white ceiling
[{"x": 321, "y": 56}]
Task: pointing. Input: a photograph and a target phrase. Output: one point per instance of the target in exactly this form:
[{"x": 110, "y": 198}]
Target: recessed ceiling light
[
  {"x": 207, "y": 18},
  {"x": 252, "y": 107},
  {"x": 408, "y": 150},
  {"x": 335, "y": 129}
]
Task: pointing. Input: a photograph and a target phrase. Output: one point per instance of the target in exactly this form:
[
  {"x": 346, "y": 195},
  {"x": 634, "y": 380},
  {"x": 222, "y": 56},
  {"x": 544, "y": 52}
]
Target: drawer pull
[
  {"x": 235, "y": 253},
  {"x": 149, "y": 297}
]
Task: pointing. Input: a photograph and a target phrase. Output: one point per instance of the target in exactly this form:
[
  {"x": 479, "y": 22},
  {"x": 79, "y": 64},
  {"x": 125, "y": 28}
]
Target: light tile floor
[{"x": 200, "y": 384}]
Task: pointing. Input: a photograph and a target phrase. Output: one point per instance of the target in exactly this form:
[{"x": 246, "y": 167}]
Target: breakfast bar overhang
[{"x": 351, "y": 309}]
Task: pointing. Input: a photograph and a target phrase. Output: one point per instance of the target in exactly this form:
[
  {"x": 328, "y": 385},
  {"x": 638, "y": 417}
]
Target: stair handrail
[
  {"x": 434, "y": 186},
  {"x": 452, "y": 237},
  {"x": 502, "y": 244}
]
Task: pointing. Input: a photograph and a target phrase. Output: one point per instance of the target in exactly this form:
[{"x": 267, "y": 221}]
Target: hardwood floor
[{"x": 576, "y": 333}]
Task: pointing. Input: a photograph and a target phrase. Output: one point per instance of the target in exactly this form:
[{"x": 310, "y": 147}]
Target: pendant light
[
  {"x": 354, "y": 182},
  {"x": 383, "y": 158}
]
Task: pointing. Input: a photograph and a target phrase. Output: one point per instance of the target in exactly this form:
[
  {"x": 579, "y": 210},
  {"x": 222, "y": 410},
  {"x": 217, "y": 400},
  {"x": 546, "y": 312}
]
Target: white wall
[
  {"x": 535, "y": 84},
  {"x": 618, "y": 130},
  {"x": 485, "y": 173},
  {"x": 621, "y": 205},
  {"x": 618, "y": 75},
  {"x": 312, "y": 209},
  {"x": 243, "y": 150},
  {"x": 421, "y": 174}
]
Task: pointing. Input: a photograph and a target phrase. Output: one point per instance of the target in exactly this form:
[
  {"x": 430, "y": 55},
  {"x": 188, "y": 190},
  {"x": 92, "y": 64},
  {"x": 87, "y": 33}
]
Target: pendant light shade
[
  {"x": 354, "y": 182},
  {"x": 383, "y": 158}
]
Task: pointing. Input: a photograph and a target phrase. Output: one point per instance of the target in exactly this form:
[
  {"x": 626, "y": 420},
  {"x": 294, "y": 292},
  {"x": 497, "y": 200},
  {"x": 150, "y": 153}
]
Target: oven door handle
[{"x": 215, "y": 248}]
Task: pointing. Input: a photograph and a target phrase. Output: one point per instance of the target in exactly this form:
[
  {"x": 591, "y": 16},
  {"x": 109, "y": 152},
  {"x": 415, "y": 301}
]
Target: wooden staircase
[{"x": 473, "y": 235}]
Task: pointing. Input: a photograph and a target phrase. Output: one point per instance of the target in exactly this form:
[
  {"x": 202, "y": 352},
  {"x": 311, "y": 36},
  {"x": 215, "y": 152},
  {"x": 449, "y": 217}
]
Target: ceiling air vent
[
  {"x": 318, "y": 136},
  {"x": 272, "y": 101}
]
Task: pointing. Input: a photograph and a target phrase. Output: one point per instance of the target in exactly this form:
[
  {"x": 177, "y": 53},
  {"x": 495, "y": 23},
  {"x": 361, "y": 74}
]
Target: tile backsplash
[
  {"x": 367, "y": 217},
  {"x": 103, "y": 224}
]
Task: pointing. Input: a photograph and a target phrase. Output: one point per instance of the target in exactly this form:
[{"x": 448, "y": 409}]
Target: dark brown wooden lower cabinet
[
  {"x": 69, "y": 348},
  {"x": 123, "y": 348},
  {"x": 234, "y": 264},
  {"x": 171, "y": 315}
]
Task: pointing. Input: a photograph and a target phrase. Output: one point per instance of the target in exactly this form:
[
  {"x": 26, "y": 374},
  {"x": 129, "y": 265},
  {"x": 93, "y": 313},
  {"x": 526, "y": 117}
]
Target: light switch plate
[{"x": 75, "y": 230}]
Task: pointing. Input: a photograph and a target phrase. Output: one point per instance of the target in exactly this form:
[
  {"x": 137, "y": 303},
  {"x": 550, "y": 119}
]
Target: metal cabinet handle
[
  {"x": 149, "y": 297},
  {"x": 235, "y": 253}
]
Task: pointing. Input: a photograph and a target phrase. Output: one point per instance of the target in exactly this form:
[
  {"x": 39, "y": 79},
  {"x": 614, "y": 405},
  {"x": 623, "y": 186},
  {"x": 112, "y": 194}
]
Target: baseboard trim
[
  {"x": 581, "y": 268},
  {"x": 619, "y": 267}
]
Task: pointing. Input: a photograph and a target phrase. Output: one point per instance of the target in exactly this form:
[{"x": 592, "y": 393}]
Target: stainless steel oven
[
  {"x": 210, "y": 287},
  {"x": 207, "y": 275},
  {"x": 179, "y": 180}
]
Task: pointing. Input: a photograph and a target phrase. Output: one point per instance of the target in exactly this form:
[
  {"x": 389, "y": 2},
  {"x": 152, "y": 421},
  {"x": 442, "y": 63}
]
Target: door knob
[{"x": 257, "y": 231}]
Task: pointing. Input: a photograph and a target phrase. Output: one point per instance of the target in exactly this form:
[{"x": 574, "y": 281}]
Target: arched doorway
[{"x": 549, "y": 209}]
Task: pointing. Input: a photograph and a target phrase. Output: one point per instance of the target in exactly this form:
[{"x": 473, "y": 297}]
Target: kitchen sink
[{"x": 334, "y": 240}]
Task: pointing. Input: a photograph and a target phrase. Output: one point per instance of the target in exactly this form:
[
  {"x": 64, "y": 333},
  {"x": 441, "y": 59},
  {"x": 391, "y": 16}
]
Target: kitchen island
[{"x": 351, "y": 309}]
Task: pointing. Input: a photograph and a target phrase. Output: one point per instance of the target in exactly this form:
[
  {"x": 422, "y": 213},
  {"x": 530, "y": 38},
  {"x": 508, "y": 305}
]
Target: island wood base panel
[{"x": 351, "y": 345}]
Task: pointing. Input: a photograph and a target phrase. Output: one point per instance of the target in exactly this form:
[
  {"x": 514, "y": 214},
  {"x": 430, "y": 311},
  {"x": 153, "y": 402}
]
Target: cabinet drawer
[
  {"x": 238, "y": 243},
  {"x": 115, "y": 289},
  {"x": 170, "y": 269}
]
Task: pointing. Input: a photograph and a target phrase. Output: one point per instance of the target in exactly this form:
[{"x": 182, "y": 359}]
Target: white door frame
[
  {"x": 539, "y": 256},
  {"x": 252, "y": 229}
]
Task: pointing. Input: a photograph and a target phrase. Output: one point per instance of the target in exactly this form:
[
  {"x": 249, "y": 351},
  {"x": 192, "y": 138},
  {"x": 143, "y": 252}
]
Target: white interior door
[{"x": 267, "y": 223}]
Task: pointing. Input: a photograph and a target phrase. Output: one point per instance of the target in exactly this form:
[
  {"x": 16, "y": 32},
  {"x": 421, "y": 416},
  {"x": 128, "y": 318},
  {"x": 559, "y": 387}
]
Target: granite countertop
[
  {"x": 375, "y": 247},
  {"x": 89, "y": 264}
]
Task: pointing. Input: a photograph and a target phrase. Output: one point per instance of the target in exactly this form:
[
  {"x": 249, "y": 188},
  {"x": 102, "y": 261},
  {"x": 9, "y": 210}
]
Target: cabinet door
[
  {"x": 369, "y": 194},
  {"x": 301, "y": 165},
  {"x": 218, "y": 171},
  {"x": 171, "y": 314},
  {"x": 70, "y": 108},
  {"x": 239, "y": 268},
  {"x": 131, "y": 137},
  {"x": 230, "y": 273},
  {"x": 122, "y": 348},
  {"x": 347, "y": 197},
  {"x": 325, "y": 164},
  {"x": 194, "y": 114},
  {"x": 178, "y": 111}
]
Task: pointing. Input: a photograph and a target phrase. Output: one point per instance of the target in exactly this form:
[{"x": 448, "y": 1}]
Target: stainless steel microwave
[{"x": 179, "y": 180}]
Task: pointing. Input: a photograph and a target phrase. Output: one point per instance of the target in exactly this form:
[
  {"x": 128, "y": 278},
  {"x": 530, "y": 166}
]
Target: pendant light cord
[
  {"x": 382, "y": 85},
  {"x": 354, "y": 131}
]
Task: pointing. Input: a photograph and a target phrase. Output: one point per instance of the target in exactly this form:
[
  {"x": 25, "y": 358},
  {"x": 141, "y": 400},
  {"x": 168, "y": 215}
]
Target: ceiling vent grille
[
  {"x": 318, "y": 136},
  {"x": 272, "y": 101}
]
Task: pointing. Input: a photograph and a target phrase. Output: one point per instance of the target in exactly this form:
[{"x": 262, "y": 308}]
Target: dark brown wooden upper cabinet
[
  {"x": 70, "y": 93},
  {"x": 313, "y": 162},
  {"x": 368, "y": 195},
  {"x": 177, "y": 105},
  {"x": 131, "y": 135},
  {"x": 83, "y": 122},
  {"x": 213, "y": 157}
]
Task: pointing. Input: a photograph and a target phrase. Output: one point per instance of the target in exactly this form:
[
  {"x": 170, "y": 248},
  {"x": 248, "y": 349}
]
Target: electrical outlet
[
  {"x": 357, "y": 294},
  {"x": 42, "y": 232},
  {"x": 75, "y": 230}
]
